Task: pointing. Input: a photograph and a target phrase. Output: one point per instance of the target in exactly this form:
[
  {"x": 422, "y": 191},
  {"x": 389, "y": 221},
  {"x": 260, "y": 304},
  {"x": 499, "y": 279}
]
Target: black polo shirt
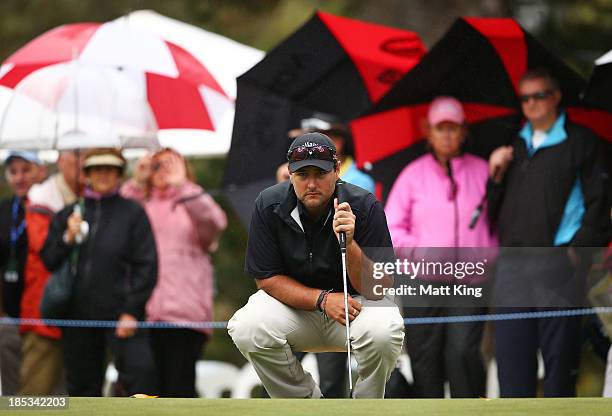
[{"x": 280, "y": 242}]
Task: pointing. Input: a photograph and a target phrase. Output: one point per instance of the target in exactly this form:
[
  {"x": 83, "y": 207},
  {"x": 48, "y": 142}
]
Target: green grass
[{"x": 231, "y": 407}]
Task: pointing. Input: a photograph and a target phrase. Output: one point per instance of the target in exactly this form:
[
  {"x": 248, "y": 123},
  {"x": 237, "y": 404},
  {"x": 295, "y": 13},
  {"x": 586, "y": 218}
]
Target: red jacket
[{"x": 35, "y": 273}]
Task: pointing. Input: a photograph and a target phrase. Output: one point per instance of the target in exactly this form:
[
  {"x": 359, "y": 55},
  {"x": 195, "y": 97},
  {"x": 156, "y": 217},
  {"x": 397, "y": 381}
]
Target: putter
[
  {"x": 342, "y": 237},
  {"x": 346, "y": 314}
]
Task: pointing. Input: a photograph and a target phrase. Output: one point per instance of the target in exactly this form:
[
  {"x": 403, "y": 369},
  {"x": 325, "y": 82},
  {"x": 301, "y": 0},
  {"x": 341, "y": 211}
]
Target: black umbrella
[
  {"x": 331, "y": 64},
  {"x": 597, "y": 99},
  {"x": 479, "y": 61},
  {"x": 598, "y": 93}
]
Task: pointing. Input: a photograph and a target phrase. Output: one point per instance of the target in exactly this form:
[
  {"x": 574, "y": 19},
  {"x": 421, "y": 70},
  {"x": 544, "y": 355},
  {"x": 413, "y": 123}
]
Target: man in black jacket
[
  {"x": 294, "y": 255},
  {"x": 21, "y": 172},
  {"x": 547, "y": 195}
]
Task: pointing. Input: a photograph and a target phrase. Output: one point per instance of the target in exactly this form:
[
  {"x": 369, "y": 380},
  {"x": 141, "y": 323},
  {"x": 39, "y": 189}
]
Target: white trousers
[{"x": 266, "y": 331}]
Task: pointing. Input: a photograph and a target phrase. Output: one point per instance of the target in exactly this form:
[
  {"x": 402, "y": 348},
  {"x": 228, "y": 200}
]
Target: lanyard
[{"x": 16, "y": 230}]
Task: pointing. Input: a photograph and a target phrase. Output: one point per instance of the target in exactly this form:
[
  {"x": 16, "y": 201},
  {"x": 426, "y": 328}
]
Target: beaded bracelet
[
  {"x": 321, "y": 299},
  {"x": 324, "y": 303}
]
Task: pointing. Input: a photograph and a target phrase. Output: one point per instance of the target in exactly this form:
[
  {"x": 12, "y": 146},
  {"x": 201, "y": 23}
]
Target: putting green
[{"x": 231, "y": 407}]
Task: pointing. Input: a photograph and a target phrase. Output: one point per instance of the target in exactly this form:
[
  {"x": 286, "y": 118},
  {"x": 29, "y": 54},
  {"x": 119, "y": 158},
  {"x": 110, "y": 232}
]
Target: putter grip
[{"x": 341, "y": 199}]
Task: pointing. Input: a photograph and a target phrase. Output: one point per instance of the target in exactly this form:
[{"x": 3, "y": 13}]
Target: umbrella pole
[{"x": 77, "y": 177}]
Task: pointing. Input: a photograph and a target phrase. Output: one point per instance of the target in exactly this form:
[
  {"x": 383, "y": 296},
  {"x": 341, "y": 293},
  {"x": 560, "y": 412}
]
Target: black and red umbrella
[
  {"x": 597, "y": 100},
  {"x": 334, "y": 65},
  {"x": 479, "y": 61},
  {"x": 598, "y": 93},
  {"x": 596, "y": 104}
]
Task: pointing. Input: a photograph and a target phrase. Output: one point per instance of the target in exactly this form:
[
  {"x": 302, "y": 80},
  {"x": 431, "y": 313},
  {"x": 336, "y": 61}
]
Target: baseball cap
[
  {"x": 312, "y": 149},
  {"x": 445, "y": 109},
  {"x": 31, "y": 157}
]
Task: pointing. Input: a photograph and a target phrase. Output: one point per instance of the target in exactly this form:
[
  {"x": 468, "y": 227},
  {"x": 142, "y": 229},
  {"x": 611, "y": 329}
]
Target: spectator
[
  {"x": 115, "y": 270},
  {"x": 21, "y": 171},
  {"x": 547, "y": 189},
  {"x": 187, "y": 224},
  {"x": 349, "y": 172},
  {"x": 42, "y": 365},
  {"x": 430, "y": 205}
]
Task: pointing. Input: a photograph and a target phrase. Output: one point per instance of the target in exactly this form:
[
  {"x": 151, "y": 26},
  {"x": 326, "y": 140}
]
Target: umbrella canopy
[
  {"x": 597, "y": 99},
  {"x": 169, "y": 74},
  {"x": 68, "y": 105},
  {"x": 331, "y": 64},
  {"x": 224, "y": 58},
  {"x": 598, "y": 93},
  {"x": 479, "y": 61}
]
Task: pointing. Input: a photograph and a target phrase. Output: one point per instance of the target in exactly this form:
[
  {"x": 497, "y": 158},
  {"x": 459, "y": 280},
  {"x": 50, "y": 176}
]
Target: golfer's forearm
[
  {"x": 361, "y": 273},
  {"x": 290, "y": 292},
  {"x": 353, "y": 264}
]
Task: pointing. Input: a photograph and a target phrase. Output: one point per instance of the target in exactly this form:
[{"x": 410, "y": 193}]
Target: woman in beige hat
[{"x": 115, "y": 268}]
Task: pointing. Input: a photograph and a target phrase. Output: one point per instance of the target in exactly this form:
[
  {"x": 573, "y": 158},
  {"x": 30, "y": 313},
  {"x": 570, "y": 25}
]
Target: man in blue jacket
[{"x": 21, "y": 170}]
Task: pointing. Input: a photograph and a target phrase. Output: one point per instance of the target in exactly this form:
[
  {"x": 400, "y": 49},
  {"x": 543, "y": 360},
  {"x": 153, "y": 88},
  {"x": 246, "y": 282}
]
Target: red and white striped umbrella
[{"x": 181, "y": 92}]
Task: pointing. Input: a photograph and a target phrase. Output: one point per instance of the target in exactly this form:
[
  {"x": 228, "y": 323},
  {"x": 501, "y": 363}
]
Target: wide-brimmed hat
[{"x": 104, "y": 157}]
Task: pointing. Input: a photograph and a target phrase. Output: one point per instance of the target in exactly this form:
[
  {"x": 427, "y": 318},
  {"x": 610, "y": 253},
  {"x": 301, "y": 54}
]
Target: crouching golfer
[{"x": 294, "y": 255}]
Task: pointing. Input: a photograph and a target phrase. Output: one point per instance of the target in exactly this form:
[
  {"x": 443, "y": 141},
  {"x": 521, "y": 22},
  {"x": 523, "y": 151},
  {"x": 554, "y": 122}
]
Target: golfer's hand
[
  {"x": 499, "y": 161},
  {"x": 73, "y": 227},
  {"x": 128, "y": 328},
  {"x": 334, "y": 307},
  {"x": 344, "y": 220}
]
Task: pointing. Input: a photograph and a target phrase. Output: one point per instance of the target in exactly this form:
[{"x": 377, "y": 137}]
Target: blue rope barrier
[
  {"x": 507, "y": 316},
  {"x": 80, "y": 323}
]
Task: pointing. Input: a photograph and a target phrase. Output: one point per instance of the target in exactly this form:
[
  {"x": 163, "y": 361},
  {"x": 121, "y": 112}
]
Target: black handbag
[{"x": 58, "y": 290}]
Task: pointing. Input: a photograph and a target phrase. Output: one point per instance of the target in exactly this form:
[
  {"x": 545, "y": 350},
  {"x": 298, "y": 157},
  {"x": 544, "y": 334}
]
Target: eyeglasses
[
  {"x": 538, "y": 96},
  {"x": 320, "y": 152}
]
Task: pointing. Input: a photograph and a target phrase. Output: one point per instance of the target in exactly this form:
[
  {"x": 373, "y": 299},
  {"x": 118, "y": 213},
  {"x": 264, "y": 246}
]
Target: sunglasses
[
  {"x": 320, "y": 152},
  {"x": 538, "y": 96}
]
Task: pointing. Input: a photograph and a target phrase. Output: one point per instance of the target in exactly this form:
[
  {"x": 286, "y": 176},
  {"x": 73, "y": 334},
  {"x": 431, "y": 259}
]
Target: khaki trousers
[
  {"x": 267, "y": 332},
  {"x": 42, "y": 365}
]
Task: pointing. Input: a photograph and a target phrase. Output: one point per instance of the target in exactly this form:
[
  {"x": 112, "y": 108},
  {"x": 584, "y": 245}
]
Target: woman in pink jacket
[
  {"x": 186, "y": 224},
  {"x": 432, "y": 204}
]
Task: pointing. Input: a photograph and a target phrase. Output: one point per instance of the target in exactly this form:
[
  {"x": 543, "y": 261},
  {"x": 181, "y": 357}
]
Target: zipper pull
[{"x": 310, "y": 257}]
